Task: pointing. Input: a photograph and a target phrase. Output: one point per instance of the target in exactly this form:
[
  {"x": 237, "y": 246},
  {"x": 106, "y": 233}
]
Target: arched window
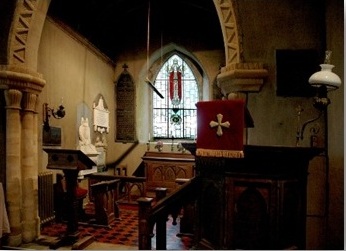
[{"x": 175, "y": 116}]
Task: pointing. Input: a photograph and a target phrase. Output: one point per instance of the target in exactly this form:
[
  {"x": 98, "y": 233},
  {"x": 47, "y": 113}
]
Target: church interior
[{"x": 210, "y": 111}]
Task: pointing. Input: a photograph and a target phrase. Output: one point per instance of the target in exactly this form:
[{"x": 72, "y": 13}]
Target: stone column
[
  {"x": 13, "y": 165},
  {"x": 29, "y": 167},
  {"x": 22, "y": 87},
  {"x": 36, "y": 163}
]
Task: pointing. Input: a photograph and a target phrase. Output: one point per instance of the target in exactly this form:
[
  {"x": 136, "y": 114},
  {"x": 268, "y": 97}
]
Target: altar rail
[{"x": 151, "y": 212}]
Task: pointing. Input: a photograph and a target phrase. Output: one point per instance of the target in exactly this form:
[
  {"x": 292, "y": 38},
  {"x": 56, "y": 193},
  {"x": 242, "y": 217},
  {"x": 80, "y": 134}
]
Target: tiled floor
[
  {"x": 93, "y": 246},
  {"x": 122, "y": 231},
  {"x": 121, "y": 235}
]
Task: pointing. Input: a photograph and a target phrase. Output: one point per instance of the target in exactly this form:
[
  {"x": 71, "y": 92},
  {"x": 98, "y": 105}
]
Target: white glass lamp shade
[{"x": 325, "y": 77}]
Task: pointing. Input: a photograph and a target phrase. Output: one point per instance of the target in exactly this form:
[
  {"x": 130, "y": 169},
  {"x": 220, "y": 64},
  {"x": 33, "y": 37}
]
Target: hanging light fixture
[
  {"x": 152, "y": 85},
  {"x": 324, "y": 80},
  {"x": 325, "y": 77}
]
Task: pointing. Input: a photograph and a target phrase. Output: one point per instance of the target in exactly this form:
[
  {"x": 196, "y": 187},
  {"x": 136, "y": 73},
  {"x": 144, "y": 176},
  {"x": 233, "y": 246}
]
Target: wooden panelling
[{"x": 163, "y": 168}]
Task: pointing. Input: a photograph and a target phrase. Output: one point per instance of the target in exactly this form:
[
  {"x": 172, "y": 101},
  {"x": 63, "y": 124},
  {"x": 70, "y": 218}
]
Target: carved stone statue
[{"x": 85, "y": 144}]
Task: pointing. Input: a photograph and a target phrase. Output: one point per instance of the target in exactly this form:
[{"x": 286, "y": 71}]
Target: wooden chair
[{"x": 60, "y": 199}]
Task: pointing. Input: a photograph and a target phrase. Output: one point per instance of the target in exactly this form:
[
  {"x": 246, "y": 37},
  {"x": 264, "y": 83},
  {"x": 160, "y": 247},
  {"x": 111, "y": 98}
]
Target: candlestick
[{"x": 172, "y": 145}]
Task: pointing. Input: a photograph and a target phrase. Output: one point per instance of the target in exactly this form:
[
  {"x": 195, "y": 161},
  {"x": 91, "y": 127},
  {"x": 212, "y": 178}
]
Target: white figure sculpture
[
  {"x": 101, "y": 117},
  {"x": 85, "y": 144}
]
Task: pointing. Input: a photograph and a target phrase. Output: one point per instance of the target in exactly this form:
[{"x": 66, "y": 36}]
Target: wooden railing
[{"x": 153, "y": 212}]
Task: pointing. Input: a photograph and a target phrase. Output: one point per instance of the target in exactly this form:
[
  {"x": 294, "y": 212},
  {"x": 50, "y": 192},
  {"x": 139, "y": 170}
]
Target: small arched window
[{"x": 175, "y": 116}]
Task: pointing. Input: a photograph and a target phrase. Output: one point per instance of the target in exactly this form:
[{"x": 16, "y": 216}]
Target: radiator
[{"x": 45, "y": 197}]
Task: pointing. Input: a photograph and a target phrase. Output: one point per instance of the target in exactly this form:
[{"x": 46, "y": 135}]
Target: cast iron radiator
[{"x": 45, "y": 197}]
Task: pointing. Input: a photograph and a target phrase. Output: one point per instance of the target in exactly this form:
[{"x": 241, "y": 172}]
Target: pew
[
  {"x": 106, "y": 191},
  {"x": 105, "y": 202},
  {"x": 125, "y": 188}
]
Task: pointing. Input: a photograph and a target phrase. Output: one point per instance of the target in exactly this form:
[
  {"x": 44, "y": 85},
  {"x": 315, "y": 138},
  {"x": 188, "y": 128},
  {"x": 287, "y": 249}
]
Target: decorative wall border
[
  {"x": 229, "y": 28},
  {"x": 21, "y": 26}
]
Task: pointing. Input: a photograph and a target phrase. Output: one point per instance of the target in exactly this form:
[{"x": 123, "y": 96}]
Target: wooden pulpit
[
  {"x": 254, "y": 203},
  {"x": 70, "y": 161}
]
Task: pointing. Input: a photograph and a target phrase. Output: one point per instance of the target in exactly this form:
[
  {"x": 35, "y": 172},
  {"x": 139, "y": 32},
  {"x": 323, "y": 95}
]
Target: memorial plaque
[
  {"x": 101, "y": 117},
  {"x": 125, "y": 113}
]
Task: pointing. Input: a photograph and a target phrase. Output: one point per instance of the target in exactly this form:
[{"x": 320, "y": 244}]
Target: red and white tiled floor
[{"x": 122, "y": 232}]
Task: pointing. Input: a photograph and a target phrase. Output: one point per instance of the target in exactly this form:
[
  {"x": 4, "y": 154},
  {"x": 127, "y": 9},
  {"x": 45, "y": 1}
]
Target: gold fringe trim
[{"x": 219, "y": 153}]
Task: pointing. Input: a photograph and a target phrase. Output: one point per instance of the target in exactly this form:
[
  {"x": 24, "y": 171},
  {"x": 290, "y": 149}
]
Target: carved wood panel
[
  {"x": 257, "y": 203},
  {"x": 162, "y": 169}
]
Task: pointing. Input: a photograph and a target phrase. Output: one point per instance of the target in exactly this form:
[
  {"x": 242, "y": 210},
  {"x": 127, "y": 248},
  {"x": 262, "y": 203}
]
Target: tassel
[{"x": 219, "y": 153}]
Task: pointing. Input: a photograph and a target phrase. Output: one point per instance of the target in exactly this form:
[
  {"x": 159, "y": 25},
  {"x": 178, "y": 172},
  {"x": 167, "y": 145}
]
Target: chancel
[{"x": 201, "y": 125}]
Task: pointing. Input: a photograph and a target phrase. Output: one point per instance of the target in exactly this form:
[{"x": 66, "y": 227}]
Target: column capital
[
  {"x": 21, "y": 78},
  {"x": 13, "y": 99},
  {"x": 241, "y": 77},
  {"x": 29, "y": 102}
]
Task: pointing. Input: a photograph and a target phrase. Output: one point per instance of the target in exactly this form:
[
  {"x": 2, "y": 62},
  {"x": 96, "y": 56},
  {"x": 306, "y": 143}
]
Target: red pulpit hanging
[{"x": 220, "y": 128}]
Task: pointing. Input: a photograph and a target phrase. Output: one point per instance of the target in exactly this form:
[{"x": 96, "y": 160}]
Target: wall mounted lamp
[
  {"x": 47, "y": 112},
  {"x": 324, "y": 80}
]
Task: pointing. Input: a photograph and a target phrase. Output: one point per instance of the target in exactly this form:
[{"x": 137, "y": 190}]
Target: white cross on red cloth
[
  {"x": 220, "y": 127},
  {"x": 219, "y": 124}
]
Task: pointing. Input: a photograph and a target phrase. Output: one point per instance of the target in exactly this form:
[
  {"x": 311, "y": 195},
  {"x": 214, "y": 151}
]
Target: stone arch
[
  {"x": 23, "y": 40},
  {"x": 18, "y": 74},
  {"x": 29, "y": 17},
  {"x": 229, "y": 27},
  {"x": 161, "y": 55},
  {"x": 27, "y": 25},
  {"x": 21, "y": 86},
  {"x": 236, "y": 76},
  {"x": 155, "y": 62}
]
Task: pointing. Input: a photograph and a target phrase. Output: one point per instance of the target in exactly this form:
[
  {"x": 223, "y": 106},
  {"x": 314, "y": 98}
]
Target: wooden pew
[
  {"x": 106, "y": 191},
  {"x": 105, "y": 202}
]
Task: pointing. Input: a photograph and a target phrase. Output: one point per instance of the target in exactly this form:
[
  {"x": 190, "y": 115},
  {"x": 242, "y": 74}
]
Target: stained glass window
[{"x": 175, "y": 115}]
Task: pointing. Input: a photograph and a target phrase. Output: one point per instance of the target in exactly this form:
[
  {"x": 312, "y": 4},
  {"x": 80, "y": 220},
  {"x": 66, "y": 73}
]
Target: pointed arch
[
  {"x": 144, "y": 113},
  {"x": 175, "y": 116}
]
